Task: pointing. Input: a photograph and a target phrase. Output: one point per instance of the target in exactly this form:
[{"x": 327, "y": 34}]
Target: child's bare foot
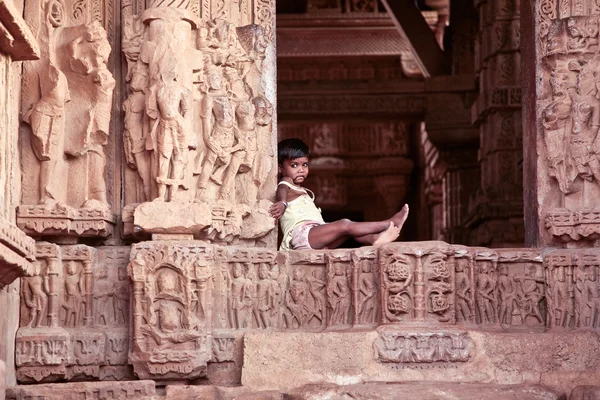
[
  {"x": 400, "y": 217},
  {"x": 387, "y": 236}
]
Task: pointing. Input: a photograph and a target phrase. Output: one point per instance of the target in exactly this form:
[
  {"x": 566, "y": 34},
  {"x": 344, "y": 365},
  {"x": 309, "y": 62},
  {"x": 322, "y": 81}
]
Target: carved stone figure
[
  {"x": 88, "y": 56},
  {"x": 135, "y": 136},
  {"x": 304, "y": 302},
  {"x": 506, "y": 296},
  {"x": 464, "y": 302},
  {"x": 367, "y": 300},
  {"x": 168, "y": 104},
  {"x": 530, "y": 293},
  {"x": 169, "y": 320},
  {"x": 73, "y": 302},
  {"x": 338, "y": 295},
  {"x": 555, "y": 121},
  {"x": 219, "y": 137},
  {"x": 47, "y": 125},
  {"x": 484, "y": 295},
  {"x": 241, "y": 313},
  {"x": 35, "y": 295},
  {"x": 563, "y": 297},
  {"x": 267, "y": 291},
  {"x": 103, "y": 298}
]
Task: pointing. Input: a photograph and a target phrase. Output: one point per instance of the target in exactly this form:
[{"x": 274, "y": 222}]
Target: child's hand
[{"x": 277, "y": 209}]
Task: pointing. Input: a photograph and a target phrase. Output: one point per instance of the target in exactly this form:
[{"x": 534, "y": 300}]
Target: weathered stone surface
[
  {"x": 132, "y": 390},
  {"x": 2, "y": 380},
  {"x": 425, "y": 391},
  {"x": 176, "y": 218},
  {"x": 585, "y": 393},
  {"x": 287, "y": 360}
]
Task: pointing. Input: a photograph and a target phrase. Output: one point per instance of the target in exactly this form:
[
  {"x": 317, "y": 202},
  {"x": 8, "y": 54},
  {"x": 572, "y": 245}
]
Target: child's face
[{"x": 296, "y": 169}]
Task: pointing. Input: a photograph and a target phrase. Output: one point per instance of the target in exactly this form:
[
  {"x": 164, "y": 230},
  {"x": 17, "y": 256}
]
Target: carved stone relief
[
  {"x": 418, "y": 347},
  {"x": 417, "y": 283},
  {"x": 198, "y": 124},
  {"x": 569, "y": 157},
  {"x": 572, "y": 289},
  {"x": 75, "y": 315},
  {"x": 67, "y": 112},
  {"x": 171, "y": 310}
]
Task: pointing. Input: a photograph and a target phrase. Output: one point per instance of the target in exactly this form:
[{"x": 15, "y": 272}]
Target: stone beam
[{"x": 410, "y": 22}]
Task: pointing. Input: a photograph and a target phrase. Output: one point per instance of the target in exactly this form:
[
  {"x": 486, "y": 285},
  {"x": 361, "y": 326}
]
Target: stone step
[{"x": 145, "y": 390}]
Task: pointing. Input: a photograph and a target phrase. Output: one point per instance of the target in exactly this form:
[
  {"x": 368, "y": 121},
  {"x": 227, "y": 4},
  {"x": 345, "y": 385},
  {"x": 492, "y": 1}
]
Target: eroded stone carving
[
  {"x": 72, "y": 326},
  {"x": 339, "y": 295},
  {"x": 417, "y": 347},
  {"x": 69, "y": 116},
  {"x": 570, "y": 122},
  {"x": 171, "y": 325},
  {"x": 198, "y": 125}
]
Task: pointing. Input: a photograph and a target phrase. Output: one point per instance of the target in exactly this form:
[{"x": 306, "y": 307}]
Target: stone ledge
[
  {"x": 284, "y": 361},
  {"x": 134, "y": 390}
]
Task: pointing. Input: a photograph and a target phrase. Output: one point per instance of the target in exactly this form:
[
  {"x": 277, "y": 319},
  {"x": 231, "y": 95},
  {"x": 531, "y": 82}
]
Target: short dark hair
[{"x": 290, "y": 149}]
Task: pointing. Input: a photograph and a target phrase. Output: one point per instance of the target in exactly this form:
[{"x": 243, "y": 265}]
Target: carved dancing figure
[
  {"x": 531, "y": 293},
  {"x": 35, "y": 296},
  {"x": 367, "y": 289},
  {"x": 47, "y": 125},
  {"x": 168, "y": 105},
  {"x": 338, "y": 292},
  {"x": 506, "y": 294},
  {"x": 73, "y": 297},
  {"x": 465, "y": 307}
]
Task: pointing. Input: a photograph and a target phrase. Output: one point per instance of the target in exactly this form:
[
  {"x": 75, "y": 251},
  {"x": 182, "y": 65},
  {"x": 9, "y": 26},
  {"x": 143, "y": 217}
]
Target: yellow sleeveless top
[{"x": 298, "y": 211}]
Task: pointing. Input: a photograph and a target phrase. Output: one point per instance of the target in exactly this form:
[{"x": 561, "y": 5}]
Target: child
[{"x": 301, "y": 221}]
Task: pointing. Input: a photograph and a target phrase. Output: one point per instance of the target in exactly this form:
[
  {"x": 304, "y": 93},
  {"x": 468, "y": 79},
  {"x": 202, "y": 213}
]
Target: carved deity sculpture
[
  {"x": 168, "y": 104},
  {"x": 304, "y": 302},
  {"x": 170, "y": 322},
  {"x": 555, "y": 121},
  {"x": 220, "y": 135}
]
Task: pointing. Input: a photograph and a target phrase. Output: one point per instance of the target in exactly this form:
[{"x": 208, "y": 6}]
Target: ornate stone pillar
[
  {"x": 563, "y": 121},
  {"x": 495, "y": 215}
]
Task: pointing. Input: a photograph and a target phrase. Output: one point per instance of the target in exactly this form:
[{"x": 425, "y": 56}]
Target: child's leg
[{"x": 333, "y": 234}]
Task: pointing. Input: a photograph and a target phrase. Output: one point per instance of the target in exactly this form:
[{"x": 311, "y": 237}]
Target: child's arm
[{"x": 278, "y": 208}]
